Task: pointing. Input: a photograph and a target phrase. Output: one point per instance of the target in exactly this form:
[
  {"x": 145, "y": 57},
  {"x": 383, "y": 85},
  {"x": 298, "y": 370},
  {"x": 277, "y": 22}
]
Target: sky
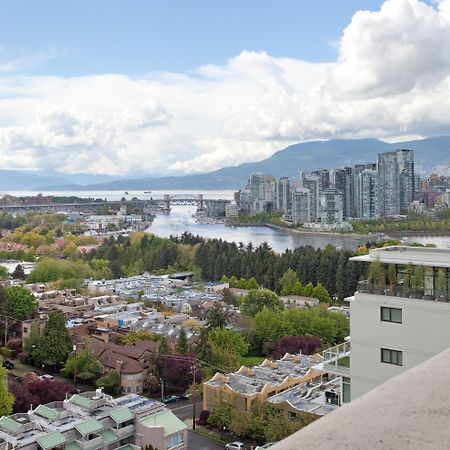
[{"x": 140, "y": 87}]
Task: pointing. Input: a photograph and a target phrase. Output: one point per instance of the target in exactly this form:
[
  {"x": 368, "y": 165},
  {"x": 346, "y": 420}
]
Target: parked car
[
  {"x": 46, "y": 377},
  {"x": 186, "y": 396},
  {"x": 170, "y": 399},
  {"x": 75, "y": 391},
  {"x": 8, "y": 365},
  {"x": 235, "y": 446}
]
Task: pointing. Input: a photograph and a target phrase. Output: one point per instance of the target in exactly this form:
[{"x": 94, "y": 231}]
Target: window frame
[
  {"x": 390, "y": 319},
  {"x": 395, "y": 356}
]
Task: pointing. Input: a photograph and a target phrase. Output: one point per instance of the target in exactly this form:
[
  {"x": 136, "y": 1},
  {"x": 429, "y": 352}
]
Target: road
[
  {"x": 183, "y": 409},
  {"x": 198, "y": 442}
]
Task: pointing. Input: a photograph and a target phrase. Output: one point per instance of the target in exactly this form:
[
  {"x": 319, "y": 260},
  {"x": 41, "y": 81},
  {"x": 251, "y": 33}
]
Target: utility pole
[
  {"x": 162, "y": 388},
  {"x": 6, "y": 331},
  {"x": 75, "y": 366},
  {"x": 194, "y": 395}
]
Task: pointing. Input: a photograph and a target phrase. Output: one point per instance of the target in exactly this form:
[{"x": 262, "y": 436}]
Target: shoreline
[{"x": 322, "y": 233}]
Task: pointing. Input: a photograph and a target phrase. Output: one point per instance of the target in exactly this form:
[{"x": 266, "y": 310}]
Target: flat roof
[{"x": 417, "y": 256}]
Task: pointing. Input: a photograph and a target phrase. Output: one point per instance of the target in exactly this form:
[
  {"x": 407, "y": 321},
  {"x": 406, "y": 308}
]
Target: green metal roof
[
  {"x": 121, "y": 415},
  {"x": 83, "y": 402},
  {"x": 51, "y": 440},
  {"x": 167, "y": 419},
  {"x": 73, "y": 446},
  {"x": 10, "y": 425},
  {"x": 109, "y": 437},
  {"x": 125, "y": 447},
  {"x": 48, "y": 413},
  {"x": 88, "y": 426}
]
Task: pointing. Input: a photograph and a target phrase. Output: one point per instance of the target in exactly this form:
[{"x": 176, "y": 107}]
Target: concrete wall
[{"x": 424, "y": 332}]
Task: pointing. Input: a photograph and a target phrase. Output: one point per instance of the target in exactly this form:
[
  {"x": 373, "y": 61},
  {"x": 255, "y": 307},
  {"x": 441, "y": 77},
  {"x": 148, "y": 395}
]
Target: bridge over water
[{"x": 152, "y": 205}]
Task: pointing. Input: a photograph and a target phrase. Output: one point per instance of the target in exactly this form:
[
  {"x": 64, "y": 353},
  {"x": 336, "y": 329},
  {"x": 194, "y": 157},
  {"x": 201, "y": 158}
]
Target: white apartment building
[{"x": 400, "y": 316}]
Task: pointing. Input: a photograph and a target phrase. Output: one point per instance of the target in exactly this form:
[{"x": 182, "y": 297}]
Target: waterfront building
[
  {"x": 301, "y": 206},
  {"x": 343, "y": 182},
  {"x": 94, "y": 420},
  {"x": 395, "y": 181},
  {"x": 314, "y": 185},
  {"x": 356, "y": 180},
  {"x": 367, "y": 206},
  {"x": 331, "y": 211},
  {"x": 231, "y": 210},
  {"x": 283, "y": 199}
]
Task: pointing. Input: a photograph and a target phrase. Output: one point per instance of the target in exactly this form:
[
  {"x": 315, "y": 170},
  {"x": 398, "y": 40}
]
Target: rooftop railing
[{"x": 337, "y": 359}]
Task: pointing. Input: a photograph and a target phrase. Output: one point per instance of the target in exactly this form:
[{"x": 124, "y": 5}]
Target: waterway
[{"x": 181, "y": 220}]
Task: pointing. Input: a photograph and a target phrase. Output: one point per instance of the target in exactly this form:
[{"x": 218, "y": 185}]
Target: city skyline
[{"x": 120, "y": 100}]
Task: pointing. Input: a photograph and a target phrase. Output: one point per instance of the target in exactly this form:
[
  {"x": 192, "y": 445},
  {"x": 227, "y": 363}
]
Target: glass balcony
[
  {"x": 337, "y": 359},
  {"x": 399, "y": 290}
]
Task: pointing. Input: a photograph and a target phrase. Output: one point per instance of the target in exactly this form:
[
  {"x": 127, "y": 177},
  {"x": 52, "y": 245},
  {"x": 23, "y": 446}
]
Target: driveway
[{"x": 199, "y": 442}]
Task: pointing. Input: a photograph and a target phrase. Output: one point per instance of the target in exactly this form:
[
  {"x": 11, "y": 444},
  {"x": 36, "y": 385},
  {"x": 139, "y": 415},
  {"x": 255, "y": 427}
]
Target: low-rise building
[
  {"x": 253, "y": 385},
  {"x": 94, "y": 420}
]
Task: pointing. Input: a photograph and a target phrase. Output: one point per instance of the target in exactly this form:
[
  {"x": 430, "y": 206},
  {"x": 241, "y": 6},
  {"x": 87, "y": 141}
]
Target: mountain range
[{"x": 431, "y": 154}]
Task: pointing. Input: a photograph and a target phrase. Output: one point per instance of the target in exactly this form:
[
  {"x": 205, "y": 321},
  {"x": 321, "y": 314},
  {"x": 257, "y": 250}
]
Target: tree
[
  {"x": 182, "y": 345},
  {"x": 321, "y": 293},
  {"x": 217, "y": 316},
  {"x": 110, "y": 382},
  {"x": 221, "y": 415},
  {"x": 49, "y": 390},
  {"x": 3, "y": 272},
  {"x": 23, "y": 397},
  {"x": 258, "y": 299},
  {"x": 177, "y": 372},
  {"x": 287, "y": 281},
  {"x": 308, "y": 290},
  {"x": 294, "y": 344},
  {"x": 19, "y": 273},
  {"x": 229, "y": 339},
  {"x": 31, "y": 343},
  {"x": 20, "y": 302},
  {"x": 6, "y": 398},
  {"x": 87, "y": 367},
  {"x": 55, "y": 343}
]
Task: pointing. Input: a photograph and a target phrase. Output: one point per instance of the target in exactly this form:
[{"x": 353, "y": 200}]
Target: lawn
[{"x": 251, "y": 360}]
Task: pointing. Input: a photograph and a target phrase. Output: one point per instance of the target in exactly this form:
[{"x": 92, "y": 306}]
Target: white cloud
[{"x": 391, "y": 80}]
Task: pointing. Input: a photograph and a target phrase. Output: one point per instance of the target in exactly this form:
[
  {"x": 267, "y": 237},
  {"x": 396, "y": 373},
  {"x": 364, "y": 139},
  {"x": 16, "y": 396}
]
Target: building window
[
  {"x": 391, "y": 314},
  {"x": 174, "y": 440},
  {"x": 394, "y": 357}
]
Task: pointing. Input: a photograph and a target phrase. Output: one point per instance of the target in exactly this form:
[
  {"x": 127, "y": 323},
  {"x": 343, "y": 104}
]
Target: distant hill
[{"x": 430, "y": 154}]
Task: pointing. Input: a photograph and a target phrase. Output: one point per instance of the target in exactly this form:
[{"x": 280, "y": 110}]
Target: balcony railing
[
  {"x": 398, "y": 290},
  {"x": 337, "y": 359}
]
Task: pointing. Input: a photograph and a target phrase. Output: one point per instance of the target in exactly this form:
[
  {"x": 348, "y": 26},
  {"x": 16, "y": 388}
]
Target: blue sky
[
  {"x": 140, "y": 87},
  {"x": 141, "y": 36}
]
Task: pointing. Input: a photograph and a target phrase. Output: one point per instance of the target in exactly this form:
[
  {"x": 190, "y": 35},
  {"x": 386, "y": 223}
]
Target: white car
[
  {"x": 46, "y": 377},
  {"x": 235, "y": 446}
]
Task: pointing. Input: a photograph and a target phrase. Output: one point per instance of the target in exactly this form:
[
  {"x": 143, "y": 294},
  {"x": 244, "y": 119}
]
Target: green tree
[
  {"x": 321, "y": 293},
  {"x": 6, "y": 398},
  {"x": 287, "y": 281},
  {"x": 217, "y": 316},
  {"x": 258, "y": 299},
  {"x": 182, "y": 345},
  {"x": 308, "y": 290},
  {"x": 87, "y": 366},
  {"x": 3, "y": 272},
  {"x": 55, "y": 343},
  {"x": 19, "y": 273},
  {"x": 20, "y": 302},
  {"x": 229, "y": 339},
  {"x": 297, "y": 288},
  {"x": 110, "y": 382},
  {"x": 221, "y": 415},
  {"x": 32, "y": 342}
]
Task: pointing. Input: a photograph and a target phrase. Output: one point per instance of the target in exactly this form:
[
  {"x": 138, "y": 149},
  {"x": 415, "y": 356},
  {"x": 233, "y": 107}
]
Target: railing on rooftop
[{"x": 399, "y": 290}]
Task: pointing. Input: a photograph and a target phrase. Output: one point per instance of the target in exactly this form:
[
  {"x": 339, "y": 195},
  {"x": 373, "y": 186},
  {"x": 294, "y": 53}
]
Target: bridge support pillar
[
  {"x": 200, "y": 203},
  {"x": 166, "y": 205}
]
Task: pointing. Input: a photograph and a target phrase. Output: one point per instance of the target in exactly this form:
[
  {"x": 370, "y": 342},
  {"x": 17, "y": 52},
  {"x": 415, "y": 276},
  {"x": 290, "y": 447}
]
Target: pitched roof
[
  {"x": 83, "y": 402},
  {"x": 108, "y": 437},
  {"x": 167, "y": 419},
  {"x": 51, "y": 440},
  {"x": 48, "y": 413},
  {"x": 89, "y": 426},
  {"x": 10, "y": 425},
  {"x": 121, "y": 415}
]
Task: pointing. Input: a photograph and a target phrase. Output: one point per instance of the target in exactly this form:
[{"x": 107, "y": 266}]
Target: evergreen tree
[
  {"x": 55, "y": 343},
  {"x": 182, "y": 344},
  {"x": 19, "y": 273},
  {"x": 321, "y": 293}
]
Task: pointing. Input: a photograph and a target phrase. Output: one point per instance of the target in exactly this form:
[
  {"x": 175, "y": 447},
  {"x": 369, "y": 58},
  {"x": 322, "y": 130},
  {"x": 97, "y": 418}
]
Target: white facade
[{"x": 401, "y": 317}]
